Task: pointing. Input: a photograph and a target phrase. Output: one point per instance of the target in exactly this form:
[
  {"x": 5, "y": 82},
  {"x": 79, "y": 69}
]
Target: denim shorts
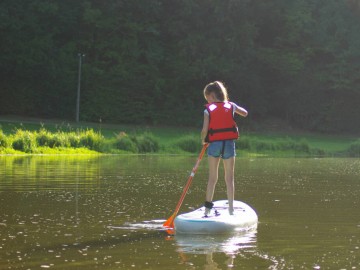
[{"x": 224, "y": 149}]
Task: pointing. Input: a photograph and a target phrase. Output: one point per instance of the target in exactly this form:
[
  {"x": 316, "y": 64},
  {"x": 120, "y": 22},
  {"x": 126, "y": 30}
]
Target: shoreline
[{"x": 61, "y": 138}]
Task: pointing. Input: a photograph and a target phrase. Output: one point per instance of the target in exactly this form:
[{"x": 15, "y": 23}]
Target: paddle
[{"x": 169, "y": 223}]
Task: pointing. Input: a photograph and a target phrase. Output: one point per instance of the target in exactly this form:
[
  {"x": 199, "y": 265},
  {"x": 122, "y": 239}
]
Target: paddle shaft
[{"x": 170, "y": 222}]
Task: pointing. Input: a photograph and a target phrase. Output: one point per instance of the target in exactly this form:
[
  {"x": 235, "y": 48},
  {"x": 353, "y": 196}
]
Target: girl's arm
[
  {"x": 205, "y": 128},
  {"x": 240, "y": 110}
]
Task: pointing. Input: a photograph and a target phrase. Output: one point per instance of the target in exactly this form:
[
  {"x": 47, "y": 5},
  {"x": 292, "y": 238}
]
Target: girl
[{"x": 220, "y": 131}]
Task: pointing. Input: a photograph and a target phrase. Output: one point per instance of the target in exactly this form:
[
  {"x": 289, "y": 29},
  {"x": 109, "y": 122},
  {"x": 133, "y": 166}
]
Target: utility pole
[{"x": 78, "y": 89}]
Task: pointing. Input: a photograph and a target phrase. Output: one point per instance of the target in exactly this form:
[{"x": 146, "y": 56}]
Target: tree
[{"x": 148, "y": 61}]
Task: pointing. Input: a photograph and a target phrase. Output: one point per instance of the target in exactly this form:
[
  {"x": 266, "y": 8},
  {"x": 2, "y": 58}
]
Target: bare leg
[
  {"x": 213, "y": 177},
  {"x": 229, "y": 165}
]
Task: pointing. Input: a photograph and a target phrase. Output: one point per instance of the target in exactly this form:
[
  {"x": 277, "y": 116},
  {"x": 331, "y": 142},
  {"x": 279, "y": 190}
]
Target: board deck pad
[{"x": 218, "y": 220}]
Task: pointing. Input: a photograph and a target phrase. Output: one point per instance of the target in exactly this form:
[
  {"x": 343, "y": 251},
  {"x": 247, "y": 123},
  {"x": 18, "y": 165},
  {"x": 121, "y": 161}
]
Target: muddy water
[{"x": 90, "y": 212}]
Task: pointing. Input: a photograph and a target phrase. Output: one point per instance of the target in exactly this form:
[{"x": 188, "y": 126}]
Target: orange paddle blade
[{"x": 169, "y": 223}]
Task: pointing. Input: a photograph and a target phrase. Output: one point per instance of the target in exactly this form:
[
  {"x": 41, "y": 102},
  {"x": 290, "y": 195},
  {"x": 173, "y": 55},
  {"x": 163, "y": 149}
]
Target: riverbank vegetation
[
  {"x": 146, "y": 61},
  {"x": 33, "y": 138}
]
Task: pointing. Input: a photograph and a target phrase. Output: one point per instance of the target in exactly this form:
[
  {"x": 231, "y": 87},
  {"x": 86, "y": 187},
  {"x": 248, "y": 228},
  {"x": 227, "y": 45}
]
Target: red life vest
[{"x": 222, "y": 125}]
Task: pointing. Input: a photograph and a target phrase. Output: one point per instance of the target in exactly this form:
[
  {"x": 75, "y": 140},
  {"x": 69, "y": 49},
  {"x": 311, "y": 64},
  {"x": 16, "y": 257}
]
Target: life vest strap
[{"x": 213, "y": 131}]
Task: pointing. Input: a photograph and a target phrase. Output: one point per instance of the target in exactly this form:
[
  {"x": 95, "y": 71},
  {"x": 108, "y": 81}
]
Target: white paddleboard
[{"x": 219, "y": 221}]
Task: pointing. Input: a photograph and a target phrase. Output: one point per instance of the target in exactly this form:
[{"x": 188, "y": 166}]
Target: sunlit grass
[{"x": 67, "y": 151}]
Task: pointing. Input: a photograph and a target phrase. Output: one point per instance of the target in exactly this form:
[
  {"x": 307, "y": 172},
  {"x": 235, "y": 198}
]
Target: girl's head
[{"x": 216, "y": 91}]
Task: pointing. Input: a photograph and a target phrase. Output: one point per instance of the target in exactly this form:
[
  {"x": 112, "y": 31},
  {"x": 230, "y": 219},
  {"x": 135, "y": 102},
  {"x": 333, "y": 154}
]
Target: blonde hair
[{"x": 218, "y": 88}]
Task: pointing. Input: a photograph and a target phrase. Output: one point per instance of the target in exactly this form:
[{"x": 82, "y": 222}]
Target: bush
[
  {"x": 124, "y": 142},
  {"x": 302, "y": 146},
  {"x": 287, "y": 144},
  {"x": 146, "y": 143},
  {"x": 290, "y": 145},
  {"x": 91, "y": 139},
  {"x": 52, "y": 140},
  {"x": 24, "y": 141},
  {"x": 74, "y": 139},
  {"x": 45, "y": 138},
  {"x": 318, "y": 152},
  {"x": 354, "y": 149},
  {"x": 3, "y": 140},
  {"x": 61, "y": 139},
  {"x": 263, "y": 146},
  {"x": 189, "y": 144},
  {"x": 243, "y": 143}
]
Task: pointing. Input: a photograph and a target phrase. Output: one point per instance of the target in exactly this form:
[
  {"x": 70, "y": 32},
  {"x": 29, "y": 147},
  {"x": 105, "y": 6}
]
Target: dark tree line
[{"x": 147, "y": 61}]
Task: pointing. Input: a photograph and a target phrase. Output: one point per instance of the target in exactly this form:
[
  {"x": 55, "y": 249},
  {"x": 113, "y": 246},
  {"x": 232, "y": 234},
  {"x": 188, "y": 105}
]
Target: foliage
[
  {"x": 88, "y": 141},
  {"x": 24, "y": 141},
  {"x": 146, "y": 143},
  {"x": 124, "y": 142},
  {"x": 354, "y": 149},
  {"x": 189, "y": 144},
  {"x": 283, "y": 145},
  {"x": 74, "y": 139},
  {"x": 52, "y": 140},
  {"x": 3, "y": 140},
  {"x": 91, "y": 140},
  {"x": 45, "y": 138},
  {"x": 148, "y": 61}
]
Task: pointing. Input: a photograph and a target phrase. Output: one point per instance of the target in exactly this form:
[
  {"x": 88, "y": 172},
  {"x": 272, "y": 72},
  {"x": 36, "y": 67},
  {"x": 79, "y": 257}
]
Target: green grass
[
  {"x": 54, "y": 137},
  {"x": 331, "y": 143}
]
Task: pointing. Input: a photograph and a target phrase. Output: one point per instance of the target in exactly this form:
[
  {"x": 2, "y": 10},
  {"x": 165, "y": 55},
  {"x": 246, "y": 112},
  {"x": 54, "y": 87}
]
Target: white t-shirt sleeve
[{"x": 233, "y": 106}]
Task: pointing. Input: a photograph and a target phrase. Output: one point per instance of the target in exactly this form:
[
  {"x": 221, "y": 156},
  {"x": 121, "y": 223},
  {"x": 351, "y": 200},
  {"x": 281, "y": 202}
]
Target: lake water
[{"x": 105, "y": 212}]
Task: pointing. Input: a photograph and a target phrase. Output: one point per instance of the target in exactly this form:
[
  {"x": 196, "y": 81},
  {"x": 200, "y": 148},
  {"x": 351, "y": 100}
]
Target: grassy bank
[{"x": 31, "y": 137}]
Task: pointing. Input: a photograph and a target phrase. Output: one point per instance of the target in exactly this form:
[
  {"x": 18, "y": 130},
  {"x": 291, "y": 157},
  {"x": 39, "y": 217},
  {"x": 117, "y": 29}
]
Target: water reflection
[
  {"x": 212, "y": 244},
  {"x": 238, "y": 251},
  {"x": 204, "y": 244}
]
